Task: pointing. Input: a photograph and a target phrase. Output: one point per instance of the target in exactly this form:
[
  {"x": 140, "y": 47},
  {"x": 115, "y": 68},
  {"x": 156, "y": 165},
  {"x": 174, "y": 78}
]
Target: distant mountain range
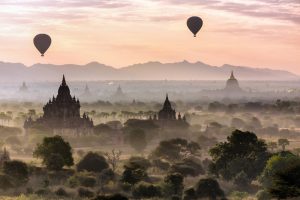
[{"x": 17, "y": 72}]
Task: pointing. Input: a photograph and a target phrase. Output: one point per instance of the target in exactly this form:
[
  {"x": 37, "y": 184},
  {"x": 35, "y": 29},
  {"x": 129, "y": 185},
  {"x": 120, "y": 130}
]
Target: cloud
[
  {"x": 287, "y": 10},
  {"x": 67, "y": 3}
]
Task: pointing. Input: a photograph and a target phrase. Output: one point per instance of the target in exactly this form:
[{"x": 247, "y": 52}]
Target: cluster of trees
[
  {"x": 279, "y": 106},
  {"x": 241, "y": 159}
]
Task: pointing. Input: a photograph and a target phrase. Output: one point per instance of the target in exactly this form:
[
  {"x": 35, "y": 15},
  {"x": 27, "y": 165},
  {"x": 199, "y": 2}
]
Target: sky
[{"x": 257, "y": 33}]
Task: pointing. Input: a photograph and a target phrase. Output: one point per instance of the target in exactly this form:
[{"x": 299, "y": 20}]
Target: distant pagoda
[
  {"x": 87, "y": 91},
  {"x": 119, "y": 95},
  {"x": 232, "y": 84},
  {"x": 23, "y": 87},
  {"x": 62, "y": 114},
  {"x": 167, "y": 113}
]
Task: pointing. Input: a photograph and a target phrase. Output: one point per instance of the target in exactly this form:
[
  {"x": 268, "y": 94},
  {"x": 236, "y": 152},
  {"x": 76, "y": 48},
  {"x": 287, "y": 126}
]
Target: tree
[
  {"x": 275, "y": 164},
  {"x": 272, "y": 146},
  {"x": 135, "y": 170},
  {"x": 208, "y": 188},
  {"x": 138, "y": 162},
  {"x": 137, "y": 140},
  {"x": 54, "y": 162},
  {"x": 17, "y": 170},
  {"x": 286, "y": 183},
  {"x": 113, "y": 158},
  {"x": 173, "y": 184},
  {"x": 111, "y": 197},
  {"x": 133, "y": 175},
  {"x": 54, "y": 145},
  {"x": 92, "y": 162},
  {"x": 188, "y": 167},
  {"x": 242, "y": 152},
  {"x": 283, "y": 143},
  {"x": 105, "y": 176},
  {"x": 175, "y": 149},
  {"x": 146, "y": 190}
]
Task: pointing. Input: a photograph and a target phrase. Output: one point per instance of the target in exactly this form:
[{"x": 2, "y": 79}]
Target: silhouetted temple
[
  {"x": 119, "y": 95},
  {"x": 168, "y": 113},
  {"x": 24, "y": 87},
  {"x": 62, "y": 114},
  {"x": 232, "y": 84}
]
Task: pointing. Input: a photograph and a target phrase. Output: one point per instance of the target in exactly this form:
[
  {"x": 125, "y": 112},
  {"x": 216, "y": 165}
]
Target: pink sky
[{"x": 259, "y": 33}]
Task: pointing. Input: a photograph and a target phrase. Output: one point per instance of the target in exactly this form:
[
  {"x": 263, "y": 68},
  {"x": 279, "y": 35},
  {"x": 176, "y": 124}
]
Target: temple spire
[
  {"x": 232, "y": 75},
  {"x": 63, "y": 81}
]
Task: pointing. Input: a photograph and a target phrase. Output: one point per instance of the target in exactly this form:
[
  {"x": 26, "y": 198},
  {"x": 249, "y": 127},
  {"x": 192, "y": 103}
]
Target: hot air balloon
[
  {"x": 194, "y": 24},
  {"x": 42, "y": 42}
]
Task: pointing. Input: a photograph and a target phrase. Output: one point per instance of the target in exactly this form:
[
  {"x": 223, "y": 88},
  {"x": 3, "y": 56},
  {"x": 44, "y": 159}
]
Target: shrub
[
  {"x": 92, "y": 162},
  {"x": 87, "y": 181},
  {"x": 61, "y": 192},
  {"x": 54, "y": 145},
  {"x": 173, "y": 184},
  {"x": 73, "y": 182},
  {"x": 18, "y": 170},
  {"x": 5, "y": 182},
  {"x": 208, "y": 188},
  {"x": 54, "y": 162},
  {"x": 135, "y": 162},
  {"x": 146, "y": 190},
  {"x": 42, "y": 192},
  {"x": 111, "y": 197},
  {"x": 85, "y": 193}
]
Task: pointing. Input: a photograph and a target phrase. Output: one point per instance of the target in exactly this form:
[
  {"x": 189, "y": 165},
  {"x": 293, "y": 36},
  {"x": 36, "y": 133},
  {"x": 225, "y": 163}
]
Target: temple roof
[
  {"x": 64, "y": 91},
  {"x": 232, "y": 75},
  {"x": 167, "y": 104}
]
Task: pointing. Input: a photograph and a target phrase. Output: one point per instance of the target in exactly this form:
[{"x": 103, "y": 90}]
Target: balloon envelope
[
  {"x": 194, "y": 24},
  {"x": 42, "y": 42}
]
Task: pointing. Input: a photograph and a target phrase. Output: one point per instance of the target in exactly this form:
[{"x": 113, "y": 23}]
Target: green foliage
[
  {"x": 242, "y": 152},
  {"x": 54, "y": 145},
  {"x": 173, "y": 184},
  {"x": 73, "y": 182},
  {"x": 54, "y": 162},
  {"x": 137, "y": 139},
  {"x": 242, "y": 180},
  {"x": 133, "y": 175},
  {"x": 208, "y": 188},
  {"x": 283, "y": 143},
  {"x": 285, "y": 183},
  {"x": 17, "y": 170},
  {"x": 146, "y": 190},
  {"x": 276, "y": 164},
  {"x": 106, "y": 175},
  {"x": 92, "y": 162},
  {"x": 237, "y": 195}
]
